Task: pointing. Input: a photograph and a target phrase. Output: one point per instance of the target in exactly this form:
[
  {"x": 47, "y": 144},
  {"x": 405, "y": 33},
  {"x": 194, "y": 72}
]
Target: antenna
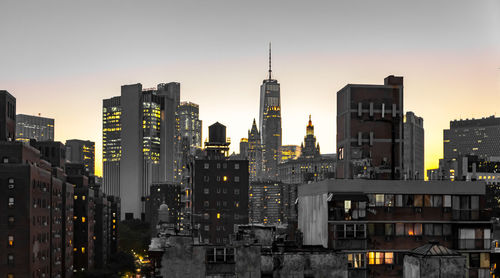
[{"x": 270, "y": 71}]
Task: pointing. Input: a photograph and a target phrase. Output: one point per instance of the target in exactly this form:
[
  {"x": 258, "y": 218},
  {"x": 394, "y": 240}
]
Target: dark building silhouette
[
  {"x": 270, "y": 124},
  {"x": 254, "y": 153},
  {"x": 370, "y": 130},
  {"x": 164, "y": 193},
  {"x": 413, "y": 147},
  {"x": 219, "y": 190},
  {"x": 81, "y": 151},
  {"x": 7, "y": 116},
  {"x": 34, "y": 127}
]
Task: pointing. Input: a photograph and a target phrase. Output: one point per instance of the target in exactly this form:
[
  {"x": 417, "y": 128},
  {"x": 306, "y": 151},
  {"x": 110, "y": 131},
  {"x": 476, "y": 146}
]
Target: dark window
[
  {"x": 10, "y": 259},
  {"x": 11, "y": 219},
  {"x": 474, "y": 260}
]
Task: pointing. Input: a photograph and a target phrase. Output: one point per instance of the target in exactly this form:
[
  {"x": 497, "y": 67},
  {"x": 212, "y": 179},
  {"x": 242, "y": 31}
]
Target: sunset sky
[{"x": 61, "y": 58}]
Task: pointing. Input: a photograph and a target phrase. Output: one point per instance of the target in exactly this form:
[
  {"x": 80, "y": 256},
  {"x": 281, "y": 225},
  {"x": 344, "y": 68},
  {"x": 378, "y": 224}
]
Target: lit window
[
  {"x": 206, "y": 166},
  {"x": 10, "y": 261},
  {"x": 11, "y": 240},
  {"x": 11, "y": 183},
  {"x": 83, "y": 197},
  {"x": 76, "y": 197},
  {"x": 74, "y": 249},
  {"x": 11, "y": 202},
  {"x": 83, "y": 249},
  {"x": 224, "y": 178},
  {"x": 389, "y": 258},
  {"x": 206, "y": 190},
  {"x": 83, "y": 219},
  {"x": 218, "y": 215},
  {"x": 237, "y": 204}
]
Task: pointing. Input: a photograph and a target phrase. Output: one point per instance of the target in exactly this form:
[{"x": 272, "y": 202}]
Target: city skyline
[{"x": 450, "y": 71}]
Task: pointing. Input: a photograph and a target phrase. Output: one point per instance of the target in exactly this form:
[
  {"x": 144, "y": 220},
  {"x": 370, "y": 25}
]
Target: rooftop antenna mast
[{"x": 270, "y": 71}]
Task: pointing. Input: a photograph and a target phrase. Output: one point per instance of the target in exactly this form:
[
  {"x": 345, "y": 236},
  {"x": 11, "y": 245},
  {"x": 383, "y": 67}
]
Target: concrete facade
[{"x": 413, "y": 147}]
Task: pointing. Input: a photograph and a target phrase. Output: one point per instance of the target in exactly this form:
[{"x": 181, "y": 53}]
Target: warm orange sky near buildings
[{"x": 61, "y": 59}]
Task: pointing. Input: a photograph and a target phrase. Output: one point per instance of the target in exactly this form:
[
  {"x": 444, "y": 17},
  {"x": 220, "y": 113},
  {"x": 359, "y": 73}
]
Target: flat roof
[{"x": 393, "y": 187}]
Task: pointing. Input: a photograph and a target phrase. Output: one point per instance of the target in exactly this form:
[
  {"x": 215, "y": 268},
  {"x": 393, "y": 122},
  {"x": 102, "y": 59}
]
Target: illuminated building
[
  {"x": 472, "y": 137},
  {"x": 289, "y": 152},
  {"x": 7, "y": 116},
  {"x": 190, "y": 124},
  {"x": 413, "y": 147},
  {"x": 370, "y": 130},
  {"x": 310, "y": 165},
  {"x": 270, "y": 124},
  {"x": 33, "y": 127},
  {"x": 376, "y": 222},
  {"x": 309, "y": 149},
  {"x": 265, "y": 200},
  {"x": 254, "y": 153},
  {"x": 244, "y": 148},
  {"x": 79, "y": 151},
  {"x": 219, "y": 190},
  {"x": 111, "y": 145},
  {"x": 141, "y": 143}
]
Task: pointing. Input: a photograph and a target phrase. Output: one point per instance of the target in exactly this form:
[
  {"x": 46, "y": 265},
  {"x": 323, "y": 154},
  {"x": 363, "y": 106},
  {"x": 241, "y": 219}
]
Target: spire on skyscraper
[{"x": 270, "y": 71}]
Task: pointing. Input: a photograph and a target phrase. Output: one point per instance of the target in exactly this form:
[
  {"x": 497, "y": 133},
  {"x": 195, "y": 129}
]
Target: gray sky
[{"x": 61, "y": 58}]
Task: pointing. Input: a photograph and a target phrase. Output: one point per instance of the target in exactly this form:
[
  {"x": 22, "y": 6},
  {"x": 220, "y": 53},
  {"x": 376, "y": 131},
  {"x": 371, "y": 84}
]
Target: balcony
[
  {"x": 467, "y": 214},
  {"x": 473, "y": 244}
]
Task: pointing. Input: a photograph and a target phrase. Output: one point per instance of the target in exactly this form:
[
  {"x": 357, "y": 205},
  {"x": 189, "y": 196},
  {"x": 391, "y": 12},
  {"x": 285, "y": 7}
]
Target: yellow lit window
[
  {"x": 218, "y": 215},
  {"x": 114, "y": 226},
  {"x": 74, "y": 217},
  {"x": 83, "y": 219},
  {"x": 11, "y": 240},
  {"x": 389, "y": 258},
  {"x": 83, "y": 197},
  {"x": 379, "y": 257},
  {"x": 74, "y": 249},
  {"x": 83, "y": 249},
  {"x": 225, "y": 178},
  {"x": 76, "y": 197},
  {"x": 114, "y": 221},
  {"x": 371, "y": 257}
]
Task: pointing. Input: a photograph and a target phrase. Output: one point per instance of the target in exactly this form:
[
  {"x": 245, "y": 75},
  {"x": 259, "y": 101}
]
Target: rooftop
[{"x": 393, "y": 187}]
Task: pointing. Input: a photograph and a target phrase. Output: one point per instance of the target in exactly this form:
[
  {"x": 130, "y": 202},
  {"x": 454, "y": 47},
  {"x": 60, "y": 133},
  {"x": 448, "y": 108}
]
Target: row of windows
[
  {"x": 359, "y": 260},
  {"x": 224, "y": 190},
  {"x": 350, "y": 231},
  {"x": 218, "y": 203},
  {"x": 221, "y": 178},
  {"x": 420, "y": 200},
  {"x": 218, "y": 165}
]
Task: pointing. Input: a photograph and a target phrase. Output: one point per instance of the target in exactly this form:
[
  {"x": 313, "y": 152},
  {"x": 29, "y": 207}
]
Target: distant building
[
  {"x": 270, "y": 124},
  {"x": 289, "y": 152},
  {"x": 219, "y": 190},
  {"x": 472, "y": 137},
  {"x": 141, "y": 143},
  {"x": 413, "y": 147},
  {"x": 34, "y": 127},
  {"x": 254, "y": 153},
  {"x": 7, "y": 116},
  {"x": 190, "y": 124},
  {"x": 310, "y": 165},
  {"x": 265, "y": 203},
  {"x": 163, "y": 193},
  {"x": 370, "y": 130},
  {"x": 244, "y": 148},
  {"x": 80, "y": 151}
]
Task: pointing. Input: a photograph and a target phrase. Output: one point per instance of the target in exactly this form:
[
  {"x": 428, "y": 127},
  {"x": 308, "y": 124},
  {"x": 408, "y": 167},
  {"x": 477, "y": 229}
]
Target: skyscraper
[
  {"x": 80, "y": 151},
  {"x": 33, "y": 127},
  {"x": 270, "y": 123},
  {"x": 7, "y": 116},
  {"x": 254, "y": 153},
  {"x": 370, "y": 130},
  {"x": 140, "y": 143},
  {"x": 190, "y": 124},
  {"x": 111, "y": 145},
  {"x": 413, "y": 147},
  {"x": 310, "y": 149}
]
